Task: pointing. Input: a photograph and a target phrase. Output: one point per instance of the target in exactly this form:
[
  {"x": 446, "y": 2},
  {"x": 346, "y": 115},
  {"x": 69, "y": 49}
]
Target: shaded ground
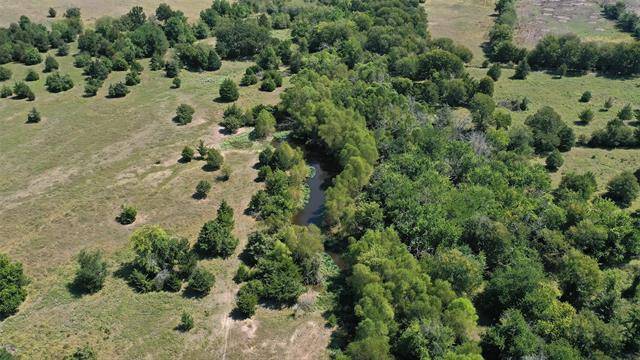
[{"x": 536, "y": 18}]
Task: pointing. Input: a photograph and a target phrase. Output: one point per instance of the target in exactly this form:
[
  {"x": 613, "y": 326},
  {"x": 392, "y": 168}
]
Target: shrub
[
  {"x": 586, "y": 116},
  {"x": 214, "y": 159},
  {"x": 248, "y": 80},
  {"x": 63, "y": 50},
  {"x": 52, "y": 12},
  {"x": 233, "y": 119},
  {"x": 202, "y": 150},
  {"x": 273, "y": 75},
  {"x": 186, "y": 322},
  {"x": 494, "y": 72},
  {"x": 5, "y": 74},
  {"x": 247, "y": 298},
  {"x": 225, "y": 172},
  {"x": 623, "y": 189},
  {"x": 31, "y": 56},
  {"x": 265, "y": 125},
  {"x": 242, "y": 274},
  {"x": 91, "y": 272},
  {"x": 554, "y": 161},
  {"x": 50, "y": 64},
  {"x": 127, "y": 215},
  {"x": 608, "y": 104},
  {"x": 56, "y": 83},
  {"x": 187, "y": 153},
  {"x": 184, "y": 114},
  {"x": 12, "y": 286},
  {"x": 586, "y": 97},
  {"x": 33, "y": 116},
  {"x": 156, "y": 63},
  {"x": 215, "y": 239},
  {"x": 201, "y": 281},
  {"x": 268, "y": 59},
  {"x": 229, "y": 91},
  {"x": 82, "y": 60},
  {"x": 268, "y": 85},
  {"x": 202, "y": 189},
  {"x": 626, "y": 113},
  {"x": 522, "y": 70},
  {"x": 486, "y": 86},
  {"x": 176, "y": 82},
  {"x": 5, "y": 92},
  {"x": 171, "y": 69},
  {"x": 21, "y": 90},
  {"x": 91, "y": 86},
  {"x": 32, "y": 75},
  {"x": 83, "y": 353},
  {"x": 132, "y": 78},
  {"x": 118, "y": 90},
  {"x": 173, "y": 283},
  {"x": 213, "y": 61}
]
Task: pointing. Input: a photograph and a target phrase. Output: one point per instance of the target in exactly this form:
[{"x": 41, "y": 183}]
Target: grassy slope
[
  {"x": 64, "y": 181},
  {"x": 466, "y": 21}
]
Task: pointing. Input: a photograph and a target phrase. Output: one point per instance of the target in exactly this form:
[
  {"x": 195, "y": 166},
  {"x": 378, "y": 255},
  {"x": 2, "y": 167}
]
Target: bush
[
  {"x": 202, "y": 150},
  {"x": 247, "y": 299},
  {"x": 273, "y": 75},
  {"x": 608, "y": 104},
  {"x": 623, "y": 189},
  {"x": 171, "y": 69},
  {"x": 176, "y": 82},
  {"x": 82, "y": 60},
  {"x": 33, "y": 116},
  {"x": 173, "y": 283},
  {"x": 486, "y": 86},
  {"x": 225, "y": 172},
  {"x": 56, "y": 83},
  {"x": 32, "y": 75},
  {"x": 494, "y": 72},
  {"x": 202, "y": 189},
  {"x": 5, "y": 74},
  {"x": 91, "y": 86},
  {"x": 522, "y": 70},
  {"x": 626, "y": 113},
  {"x": 132, "y": 78},
  {"x": 216, "y": 239},
  {"x": 50, "y": 64},
  {"x": 201, "y": 281},
  {"x": 248, "y": 80},
  {"x": 187, "y": 153},
  {"x": 186, "y": 322},
  {"x": 156, "y": 63},
  {"x": 5, "y": 92},
  {"x": 229, "y": 91},
  {"x": 268, "y": 85},
  {"x": 92, "y": 271},
  {"x": 127, "y": 215},
  {"x": 52, "y": 12},
  {"x": 22, "y": 90},
  {"x": 184, "y": 114},
  {"x": 554, "y": 161},
  {"x": 586, "y": 116},
  {"x": 213, "y": 61},
  {"x": 12, "y": 286},
  {"x": 83, "y": 353},
  {"x": 214, "y": 159},
  {"x": 265, "y": 125},
  {"x": 63, "y": 50},
  {"x": 242, "y": 274},
  {"x": 118, "y": 90},
  {"x": 586, "y": 97}
]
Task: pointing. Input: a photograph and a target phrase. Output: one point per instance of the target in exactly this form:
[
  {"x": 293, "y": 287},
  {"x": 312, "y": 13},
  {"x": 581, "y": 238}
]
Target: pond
[{"x": 313, "y": 211}]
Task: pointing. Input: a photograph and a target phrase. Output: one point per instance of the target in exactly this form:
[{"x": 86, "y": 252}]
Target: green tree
[
  {"x": 626, "y": 113},
  {"x": 127, "y": 215},
  {"x": 554, "y": 161},
  {"x": 268, "y": 59},
  {"x": 280, "y": 276},
  {"x": 91, "y": 272},
  {"x": 522, "y": 70},
  {"x": 580, "y": 278},
  {"x": 586, "y": 116},
  {"x": 5, "y": 73},
  {"x": 187, "y": 153},
  {"x": 50, "y": 64},
  {"x": 482, "y": 108},
  {"x": 184, "y": 114},
  {"x": 201, "y": 281},
  {"x": 186, "y": 322},
  {"x": 202, "y": 189},
  {"x": 12, "y": 286},
  {"x": 33, "y": 116},
  {"x": 214, "y": 159},
  {"x": 586, "y": 96},
  {"x": 265, "y": 125},
  {"x": 247, "y": 298},
  {"x": 229, "y": 91},
  {"x": 623, "y": 189},
  {"x": 486, "y": 86},
  {"x": 118, "y": 90},
  {"x": 494, "y": 72},
  {"x": 32, "y": 75},
  {"x": 512, "y": 338}
]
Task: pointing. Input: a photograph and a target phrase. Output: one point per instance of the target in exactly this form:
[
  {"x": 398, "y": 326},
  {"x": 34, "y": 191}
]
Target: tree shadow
[
  {"x": 237, "y": 315},
  {"x": 198, "y": 196},
  {"x": 189, "y": 293},
  {"x": 76, "y": 290},
  {"x": 210, "y": 168}
]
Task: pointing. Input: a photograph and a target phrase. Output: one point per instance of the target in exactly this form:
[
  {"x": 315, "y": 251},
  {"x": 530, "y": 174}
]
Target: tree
[
  {"x": 91, "y": 272},
  {"x": 268, "y": 85},
  {"x": 462, "y": 271},
  {"x": 268, "y": 59},
  {"x": 562, "y": 70},
  {"x": 202, "y": 149},
  {"x": 22, "y": 90},
  {"x": 512, "y": 338},
  {"x": 486, "y": 86},
  {"x": 186, "y": 321},
  {"x": 584, "y": 184},
  {"x": 56, "y": 83},
  {"x": 50, "y": 64},
  {"x": 279, "y": 275},
  {"x": 127, "y": 215},
  {"x": 608, "y": 104},
  {"x": 33, "y": 116},
  {"x": 482, "y": 107},
  {"x": 229, "y": 91},
  {"x": 176, "y": 82},
  {"x": 214, "y": 159},
  {"x": 216, "y": 237},
  {"x": 118, "y": 90},
  {"x": 623, "y": 189},
  {"x": 586, "y": 97},
  {"x": 187, "y": 153},
  {"x": 247, "y": 298},
  {"x": 549, "y": 131},
  {"x": 580, "y": 278},
  {"x": 201, "y": 281},
  {"x": 32, "y": 75},
  {"x": 171, "y": 69},
  {"x": 213, "y": 61},
  {"x": 494, "y": 72},
  {"x": 522, "y": 70},
  {"x": 202, "y": 189},
  {"x": 184, "y": 114},
  {"x": 52, "y": 12},
  {"x": 237, "y": 39},
  {"x": 12, "y": 286},
  {"x": 5, "y": 74},
  {"x": 626, "y": 113},
  {"x": 554, "y": 161},
  {"x": 5, "y": 92},
  {"x": 265, "y": 125},
  {"x": 586, "y": 116}
]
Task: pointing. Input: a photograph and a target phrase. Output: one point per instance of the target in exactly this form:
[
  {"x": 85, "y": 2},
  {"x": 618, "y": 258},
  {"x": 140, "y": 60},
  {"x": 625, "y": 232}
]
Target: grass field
[
  {"x": 465, "y": 21},
  {"x": 537, "y": 18},
  {"x": 563, "y": 94},
  {"x": 64, "y": 180},
  {"x": 91, "y": 10}
]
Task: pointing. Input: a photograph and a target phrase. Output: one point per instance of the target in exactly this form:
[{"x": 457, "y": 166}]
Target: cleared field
[
  {"x": 537, "y": 18},
  {"x": 64, "y": 180},
  {"x": 91, "y": 9},
  {"x": 465, "y": 21}
]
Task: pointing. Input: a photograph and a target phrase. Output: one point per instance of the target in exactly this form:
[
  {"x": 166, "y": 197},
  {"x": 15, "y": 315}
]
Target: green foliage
[
  {"x": 586, "y": 96},
  {"x": 184, "y": 114},
  {"x": 50, "y": 64},
  {"x": 12, "y": 286},
  {"x": 463, "y": 271},
  {"x": 33, "y": 116},
  {"x": 580, "y": 278},
  {"x": 486, "y": 86},
  {"x": 482, "y": 108},
  {"x": 201, "y": 281},
  {"x": 132, "y": 78},
  {"x": 127, "y": 215},
  {"x": 554, "y": 161},
  {"x": 32, "y": 75},
  {"x": 202, "y": 189},
  {"x": 268, "y": 85},
  {"x": 623, "y": 189},
  {"x": 187, "y": 153},
  {"x": 118, "y": 90},
  {"x": 265, "y": 125},
  {"x": 522, "y": 70},
  {"x": 229, "y": 91},
  {"x": 186, "y": 322},
  {"x": 85, "y": 352},
  {"x": 586, "y": 116},
  {"x": 494, "y": 72},
  {"x": 280, "y": 276},
  {"x": 268, "y": 59},
  {"x": 549, "y": 131},
  {"x": 176, "y": 82},
  {"x": 5, "y": 74},
  {"x": 626, "y": 113},
  {"x": 214, "y": 159},
  {"x": 247, "y": 298},
  {"x": 171, "y": 69},
  {"x": 5, "y": 92},
  {"x": 91, "y": 272},
  {"x": 22, "y": 91},
  {"x": 237, "y": 39}
]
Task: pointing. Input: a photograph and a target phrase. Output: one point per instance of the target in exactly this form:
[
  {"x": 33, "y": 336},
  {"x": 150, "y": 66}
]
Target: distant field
[
  {"x": 92, "y": 9},
  {"x": 465, "y": 21},
  {"x": 537, "y": 18},
  {"x": 64, "y": 180}
]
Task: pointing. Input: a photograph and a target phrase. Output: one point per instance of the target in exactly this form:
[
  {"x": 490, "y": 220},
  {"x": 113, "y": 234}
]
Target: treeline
[
  {"x": 627, "y": 20},
  {"x": 556, "y": 52}
]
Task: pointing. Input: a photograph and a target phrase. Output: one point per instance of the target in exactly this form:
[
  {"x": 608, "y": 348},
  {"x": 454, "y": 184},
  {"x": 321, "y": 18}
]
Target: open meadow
[{"x": 65, "y": 179}]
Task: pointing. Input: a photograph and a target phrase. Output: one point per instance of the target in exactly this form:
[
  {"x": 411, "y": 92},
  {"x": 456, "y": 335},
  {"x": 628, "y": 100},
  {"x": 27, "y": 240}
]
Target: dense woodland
[{"x": 456, "y": 244}]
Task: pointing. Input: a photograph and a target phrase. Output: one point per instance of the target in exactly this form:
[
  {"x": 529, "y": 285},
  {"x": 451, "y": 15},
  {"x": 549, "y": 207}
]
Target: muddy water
[{"x": 313, "y": 211}]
